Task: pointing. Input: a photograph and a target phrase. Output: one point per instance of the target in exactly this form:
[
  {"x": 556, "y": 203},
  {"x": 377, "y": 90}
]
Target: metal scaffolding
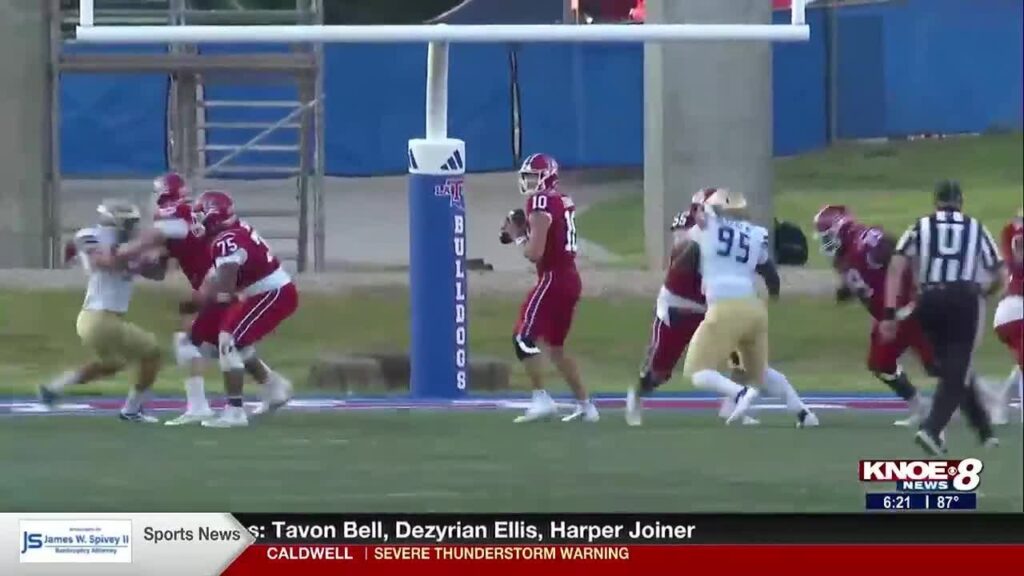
[{"x": 192, "y": 147}]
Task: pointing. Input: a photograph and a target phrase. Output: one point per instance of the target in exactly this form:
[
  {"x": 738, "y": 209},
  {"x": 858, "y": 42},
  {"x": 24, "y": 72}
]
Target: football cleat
[
  {"x": 229, "y": 417},
  {"x": 138, "y": 417},
  {"x": 932, "y": 445},
  {"x": 191, "y": 417},
  {"x": 634, "y": 408},
  {"x": 276, "y": 394},
  {"x": 728, "y": 405},
  {"x": 807, "y": 419},
  {"x": 47, "y": 397},
  {"x": 744, "y": 400},
  {"x": 909, "y": 422},
  {"x": 918, "y": 413},
  {"x": 584, "y": 412},
  {"x": 538, "y": 410}
]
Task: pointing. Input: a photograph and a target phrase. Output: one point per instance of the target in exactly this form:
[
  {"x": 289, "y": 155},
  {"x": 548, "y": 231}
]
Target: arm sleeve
[{"x": 174, "y": 228}]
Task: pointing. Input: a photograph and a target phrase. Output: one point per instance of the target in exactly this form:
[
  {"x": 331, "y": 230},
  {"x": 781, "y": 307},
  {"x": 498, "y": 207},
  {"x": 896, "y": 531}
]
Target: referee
[{"x": 950, "y": 253}]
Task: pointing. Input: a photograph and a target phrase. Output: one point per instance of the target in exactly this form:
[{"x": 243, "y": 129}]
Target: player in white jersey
[
  {"x": 732, "y": 252},
  {"x": 111, "y": 339}
]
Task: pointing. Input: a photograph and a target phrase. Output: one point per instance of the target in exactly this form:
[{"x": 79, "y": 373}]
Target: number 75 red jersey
[
  {"x": 259, "y": 270},
  {"x": 560, "y": 248}
]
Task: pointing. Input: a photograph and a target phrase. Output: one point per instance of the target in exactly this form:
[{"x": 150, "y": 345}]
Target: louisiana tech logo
[
  {"x": 452, "y": 188},
  {"x": 75, "y": 541}
]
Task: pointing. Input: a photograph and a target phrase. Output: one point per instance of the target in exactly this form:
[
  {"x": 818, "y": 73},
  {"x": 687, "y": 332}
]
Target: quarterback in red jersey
[
  {"x": 177, "y": 232},
  {"x": 679, "y": 310},
  {"x": 1009, "y": 318},
  {"x": 546, "y": 231},
  {"x": 860, "y": 256},
  {"x": 260, "y": 294}
]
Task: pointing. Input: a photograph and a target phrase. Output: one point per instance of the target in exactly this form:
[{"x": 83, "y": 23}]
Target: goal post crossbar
[
  {"x": 496, "y": 33},
  {"x": 796, "y": 31}
]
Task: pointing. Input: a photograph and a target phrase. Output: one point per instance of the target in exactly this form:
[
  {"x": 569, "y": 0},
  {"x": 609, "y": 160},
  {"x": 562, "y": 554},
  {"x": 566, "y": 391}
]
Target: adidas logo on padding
[{"x": 454, "y": 162}]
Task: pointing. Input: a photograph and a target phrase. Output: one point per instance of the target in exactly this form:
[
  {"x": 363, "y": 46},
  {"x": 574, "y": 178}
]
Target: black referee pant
[{"x": 951, "y": 317}]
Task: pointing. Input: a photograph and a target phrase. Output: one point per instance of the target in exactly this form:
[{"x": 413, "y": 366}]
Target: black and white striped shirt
[{"x": 949, "y": 247}]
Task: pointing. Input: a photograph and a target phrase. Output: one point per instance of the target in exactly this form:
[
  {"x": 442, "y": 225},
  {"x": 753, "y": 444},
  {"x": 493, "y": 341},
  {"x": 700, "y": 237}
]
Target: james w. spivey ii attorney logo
[{"x": 76, "y": 541}]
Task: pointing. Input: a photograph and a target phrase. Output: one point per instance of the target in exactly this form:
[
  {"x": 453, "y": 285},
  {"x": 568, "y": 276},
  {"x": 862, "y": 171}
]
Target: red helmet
[
  {"x": 697, "y": 201},
  {"x": 214, "y": 210},
  {"x": 538, "y": 174},
  {"x": 830, "y": 224},
  {"x": 170, "y": 188}
]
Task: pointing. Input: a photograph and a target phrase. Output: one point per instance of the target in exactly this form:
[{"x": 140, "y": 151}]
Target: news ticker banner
[{"x": 199, "y": 544}]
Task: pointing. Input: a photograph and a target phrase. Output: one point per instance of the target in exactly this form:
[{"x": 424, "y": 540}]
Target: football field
[
  {"x": 325, "y": 456},
  {"x": 333, "y": 453}
]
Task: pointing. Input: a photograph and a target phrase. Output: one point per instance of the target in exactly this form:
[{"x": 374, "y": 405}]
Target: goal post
[{"x": 437, "y": 163}]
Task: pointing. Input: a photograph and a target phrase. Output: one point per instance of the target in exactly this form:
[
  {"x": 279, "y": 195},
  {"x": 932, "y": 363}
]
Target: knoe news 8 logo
[
  {"x": 928, "y": 475},
  {"x": 75, "y": 541}
]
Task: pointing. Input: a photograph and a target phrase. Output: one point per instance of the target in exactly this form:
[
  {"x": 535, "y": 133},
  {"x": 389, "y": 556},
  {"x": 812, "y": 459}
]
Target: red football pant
[
  {"x": 206, "y": 325},
  {"x": 1012, "y": 334},
  {"x": 669, "y": 342},
  {"x": 884, "y": 356},
  {"x": 546, "y": 314},
  {"x": 252, "y": 319}
]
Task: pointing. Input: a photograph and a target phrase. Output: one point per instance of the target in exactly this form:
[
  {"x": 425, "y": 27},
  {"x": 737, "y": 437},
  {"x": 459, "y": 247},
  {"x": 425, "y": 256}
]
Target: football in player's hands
[
  {"x": 513, "y": 227},
  {"x": 518, "y": 218}
]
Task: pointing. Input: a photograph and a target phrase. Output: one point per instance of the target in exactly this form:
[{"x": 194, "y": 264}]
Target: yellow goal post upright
[{"x": 437, "y": 257}]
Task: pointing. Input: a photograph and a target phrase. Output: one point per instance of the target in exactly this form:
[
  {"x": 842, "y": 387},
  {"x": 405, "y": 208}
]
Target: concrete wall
[
  {"x": 708, "y": 119},
  {"x": 24, "y": 126}
]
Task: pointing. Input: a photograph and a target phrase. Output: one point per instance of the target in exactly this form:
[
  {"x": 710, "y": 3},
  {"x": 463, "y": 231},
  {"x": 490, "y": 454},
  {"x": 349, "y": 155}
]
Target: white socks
[
  {"x": 133, "y": 403},
  {"x": 714, "y": 381},
  {"x": 1007, "y": 389},
  {"x": 63, "y": 381},
  {"x": 195, "y": 394},
  {"x": 541, "y": 396},
  {"x": 776, "y": 384}
]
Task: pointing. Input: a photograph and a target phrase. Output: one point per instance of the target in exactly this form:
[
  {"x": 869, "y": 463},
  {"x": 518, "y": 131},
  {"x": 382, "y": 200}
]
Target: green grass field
[
  {"x": 885, "y": 184},
  {"x": 472, "y": 462},
  {"x": 443, "y": 461},
  {"x": 820, "y": 345}
]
